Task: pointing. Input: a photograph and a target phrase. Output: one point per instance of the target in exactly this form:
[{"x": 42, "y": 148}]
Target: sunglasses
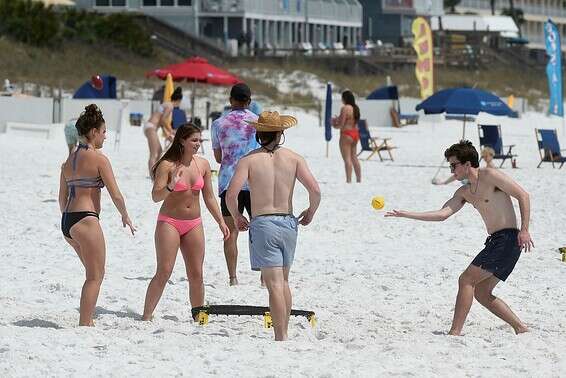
[{"x": 454, "y": 165}]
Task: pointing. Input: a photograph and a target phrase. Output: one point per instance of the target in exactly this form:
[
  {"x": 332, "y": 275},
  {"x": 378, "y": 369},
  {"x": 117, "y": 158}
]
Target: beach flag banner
[
  {"x": 554, "y": 68},
  {"x": 167, "y": 92},
  {"x": 328, "y": 116},
  {"x": 423, "y": 46}
]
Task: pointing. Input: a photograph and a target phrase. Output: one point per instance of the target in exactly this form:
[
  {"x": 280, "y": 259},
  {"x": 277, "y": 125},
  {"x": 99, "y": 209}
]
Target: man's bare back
[
  {"x": 271, "y": 172},
  {"x": 271, "y": 179},
  {"x": 493, "y": 204}
]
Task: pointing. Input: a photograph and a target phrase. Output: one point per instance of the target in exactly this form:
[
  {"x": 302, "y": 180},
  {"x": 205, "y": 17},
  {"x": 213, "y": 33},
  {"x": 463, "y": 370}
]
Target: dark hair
[
  {"x": 177, "y": 94},
  {"x": 265, "y": 138},
  {"x": 241, "y": 93},
  {"x": 175, "y": 152},
  {"x": 464, "y": 151},
  {"x": 90, "y": 119},
  {"x": 349, "y": 99}
]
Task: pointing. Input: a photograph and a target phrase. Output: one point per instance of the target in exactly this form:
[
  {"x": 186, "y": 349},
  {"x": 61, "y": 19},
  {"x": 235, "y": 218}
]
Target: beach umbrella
[
  {"x": 464, "y": 101},
  {"x": 389, "y": 92},
  {"x": 328, "y": 116},
  {"x": 196, "y": 69}
]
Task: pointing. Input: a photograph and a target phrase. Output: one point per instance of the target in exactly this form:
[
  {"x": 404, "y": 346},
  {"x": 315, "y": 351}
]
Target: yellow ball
[{"x": 377, "y": 202}]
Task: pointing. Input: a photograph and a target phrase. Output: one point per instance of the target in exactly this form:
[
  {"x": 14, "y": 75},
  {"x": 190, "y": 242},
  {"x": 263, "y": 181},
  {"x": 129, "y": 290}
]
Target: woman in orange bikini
[
  {"x": 83, "y": 175},
  {"x": 347, "y": 122},
  {"x": 179, "y": 177}
]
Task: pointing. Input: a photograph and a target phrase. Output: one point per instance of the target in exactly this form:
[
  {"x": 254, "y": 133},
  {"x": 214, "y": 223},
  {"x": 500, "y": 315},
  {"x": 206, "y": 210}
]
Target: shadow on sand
[
  {"x": 120, "y": 314},
  {"x": 34, "y": 323}
]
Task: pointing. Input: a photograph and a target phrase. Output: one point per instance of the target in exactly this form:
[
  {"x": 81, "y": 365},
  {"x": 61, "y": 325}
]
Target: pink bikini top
[{"x": 181, "y": 185}]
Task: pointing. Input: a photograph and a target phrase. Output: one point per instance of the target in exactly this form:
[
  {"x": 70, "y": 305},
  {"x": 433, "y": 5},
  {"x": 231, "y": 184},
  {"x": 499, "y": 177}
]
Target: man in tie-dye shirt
[{"x": 232, "y": 139}]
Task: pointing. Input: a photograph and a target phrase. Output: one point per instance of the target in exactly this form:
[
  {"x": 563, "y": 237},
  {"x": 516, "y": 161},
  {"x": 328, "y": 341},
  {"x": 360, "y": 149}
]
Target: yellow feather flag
[
  {"x": 423, "y": 46},
  {"x": 167, "y": 92}
]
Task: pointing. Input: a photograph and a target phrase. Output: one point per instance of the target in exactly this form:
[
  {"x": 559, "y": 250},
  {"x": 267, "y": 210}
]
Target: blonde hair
[{"x": 487, "y": 151}]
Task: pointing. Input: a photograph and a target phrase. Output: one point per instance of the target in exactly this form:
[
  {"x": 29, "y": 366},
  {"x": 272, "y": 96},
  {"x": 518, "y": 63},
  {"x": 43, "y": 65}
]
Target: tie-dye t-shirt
[{"x": 235, "y": 137}]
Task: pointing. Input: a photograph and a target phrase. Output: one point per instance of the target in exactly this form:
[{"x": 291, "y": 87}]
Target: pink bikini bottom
[{"x": 181, "y": 225}]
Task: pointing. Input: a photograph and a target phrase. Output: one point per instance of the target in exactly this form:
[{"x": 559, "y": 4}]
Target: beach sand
[{"x": 383, "y": 289}]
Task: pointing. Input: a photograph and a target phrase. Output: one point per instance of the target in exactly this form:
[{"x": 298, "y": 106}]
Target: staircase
[{"x": 180, "y": 42}]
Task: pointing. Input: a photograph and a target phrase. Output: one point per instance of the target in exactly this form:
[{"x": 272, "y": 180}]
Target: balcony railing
[
  {"x": 541, "y": 9},
  {"x": 335, "y": 10}
]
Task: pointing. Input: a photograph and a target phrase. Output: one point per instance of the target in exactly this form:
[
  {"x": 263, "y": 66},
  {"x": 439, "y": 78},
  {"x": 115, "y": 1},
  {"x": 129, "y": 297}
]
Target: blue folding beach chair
[
  {"x": 490, "y": 136},
  {"x": 549, "y": 148},
  {"x": 371, "y": 144}
]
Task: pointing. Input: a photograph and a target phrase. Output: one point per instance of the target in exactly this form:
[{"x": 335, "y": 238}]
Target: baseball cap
[{"x": 241, "y": 92}]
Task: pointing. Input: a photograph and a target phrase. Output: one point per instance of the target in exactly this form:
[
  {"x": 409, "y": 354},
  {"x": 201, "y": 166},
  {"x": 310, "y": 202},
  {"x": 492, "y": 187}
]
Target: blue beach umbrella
[
  {"x": 464, "y": 101},
  {"x": 328, "y": 116}
]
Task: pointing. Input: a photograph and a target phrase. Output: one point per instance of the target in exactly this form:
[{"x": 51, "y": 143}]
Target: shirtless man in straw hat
[
  {"x": 490, "y": 192},
  {"x": 271, "y": 172}
]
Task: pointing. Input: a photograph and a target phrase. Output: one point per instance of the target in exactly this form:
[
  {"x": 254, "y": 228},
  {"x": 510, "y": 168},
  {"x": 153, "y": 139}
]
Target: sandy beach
[{"x": 383, "y": 290}]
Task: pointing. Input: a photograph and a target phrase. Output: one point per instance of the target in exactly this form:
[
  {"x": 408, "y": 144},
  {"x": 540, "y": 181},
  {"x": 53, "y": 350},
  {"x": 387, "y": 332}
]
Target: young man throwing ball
[{"x": 490, "y": 192}]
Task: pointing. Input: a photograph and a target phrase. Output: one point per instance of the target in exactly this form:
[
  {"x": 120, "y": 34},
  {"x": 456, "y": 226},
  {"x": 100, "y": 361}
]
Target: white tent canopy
[{"x": 453, "y": 22}]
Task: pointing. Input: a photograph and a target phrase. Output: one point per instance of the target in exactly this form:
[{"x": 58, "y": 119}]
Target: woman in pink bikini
[
  {"x": 179, "y": 177},
  {"x": 347, "y": 122}
]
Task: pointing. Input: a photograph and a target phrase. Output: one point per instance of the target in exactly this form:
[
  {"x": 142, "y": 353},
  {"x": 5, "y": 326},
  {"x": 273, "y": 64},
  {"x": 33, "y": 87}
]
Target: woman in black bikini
[{"x": 84, "y": 173}]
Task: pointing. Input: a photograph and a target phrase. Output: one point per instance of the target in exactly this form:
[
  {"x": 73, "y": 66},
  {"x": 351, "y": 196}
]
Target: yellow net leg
[
  {"x": 312, "y": 321},
  {"x": 267, "y": 321},
  {"x": 202, "y": 318}
]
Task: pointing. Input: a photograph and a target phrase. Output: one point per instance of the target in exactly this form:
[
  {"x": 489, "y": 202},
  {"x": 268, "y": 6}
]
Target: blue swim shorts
[{"x": 273, "y": 239}]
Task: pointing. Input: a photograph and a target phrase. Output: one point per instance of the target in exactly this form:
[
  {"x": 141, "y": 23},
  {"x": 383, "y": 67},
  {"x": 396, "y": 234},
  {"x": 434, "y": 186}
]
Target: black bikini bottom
[{"x": 70, "y": 219}]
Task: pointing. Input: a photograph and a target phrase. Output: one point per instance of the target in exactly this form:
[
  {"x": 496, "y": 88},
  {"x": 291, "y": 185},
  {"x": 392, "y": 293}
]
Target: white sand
[{"x": 383, "y": 289}]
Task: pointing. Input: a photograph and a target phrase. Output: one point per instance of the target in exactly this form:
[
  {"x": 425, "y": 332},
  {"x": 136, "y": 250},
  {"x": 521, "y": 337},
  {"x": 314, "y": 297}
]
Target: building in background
[
  {"x": 390, "y": 21},
  {"x": 253, "y": 23},
  {"x": 535, "y": 13}
]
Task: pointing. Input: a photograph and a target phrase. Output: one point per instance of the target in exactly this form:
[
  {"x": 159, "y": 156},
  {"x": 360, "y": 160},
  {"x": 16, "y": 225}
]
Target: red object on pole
[{"x": 196, "y": 69}]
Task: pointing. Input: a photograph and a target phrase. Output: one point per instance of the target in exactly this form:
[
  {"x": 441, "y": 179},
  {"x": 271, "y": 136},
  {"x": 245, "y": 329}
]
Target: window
[
  {"x": 167, "y": 3},
  {"x": 107, "y": 3},
  {"x": 183, "y": 3},
  {"x": 149, "y": 3}
]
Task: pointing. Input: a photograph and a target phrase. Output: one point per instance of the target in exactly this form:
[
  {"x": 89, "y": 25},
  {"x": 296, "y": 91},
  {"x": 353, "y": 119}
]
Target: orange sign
[{"x": 423, "y": 46}]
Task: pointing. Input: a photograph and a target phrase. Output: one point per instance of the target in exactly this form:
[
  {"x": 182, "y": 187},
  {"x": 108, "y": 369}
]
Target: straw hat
[{"x": 272, "y": 121}]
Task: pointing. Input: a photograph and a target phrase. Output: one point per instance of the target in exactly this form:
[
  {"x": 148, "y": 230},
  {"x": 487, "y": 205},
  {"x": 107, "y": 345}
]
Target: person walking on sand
[
  {"x": 179, "y": 177},
  {"x": 347, "y": 122},
  {"x": 232, "y": 138},
  {"x": 490, "y": 192},
  {"x": 157, "y": 120},
  {"x": 271, "y": 172},
  {"x": 85, "y": 172}
]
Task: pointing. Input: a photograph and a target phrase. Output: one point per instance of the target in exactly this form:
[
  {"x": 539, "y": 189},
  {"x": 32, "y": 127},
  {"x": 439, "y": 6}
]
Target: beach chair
[
  {"x": 490, "y": 136},
  {"x": 400, "y": 120},
  {"x": 549, "y": 148},
  {"x": 372, "y": 144}
]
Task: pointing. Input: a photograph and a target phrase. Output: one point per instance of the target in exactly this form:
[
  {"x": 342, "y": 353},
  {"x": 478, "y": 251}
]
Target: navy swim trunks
[{"x": 500, "y": 254}]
